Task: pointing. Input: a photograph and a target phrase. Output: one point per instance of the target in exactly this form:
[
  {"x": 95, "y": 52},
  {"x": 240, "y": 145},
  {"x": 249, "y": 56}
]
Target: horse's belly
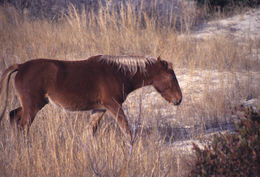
[{"x": 74, "y": 103}]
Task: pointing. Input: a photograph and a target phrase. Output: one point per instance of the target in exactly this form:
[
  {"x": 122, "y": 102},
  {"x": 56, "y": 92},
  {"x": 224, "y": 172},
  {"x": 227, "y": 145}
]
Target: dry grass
[
  {"x": 79, "y": 35},
  {"x": 58, "y": 144}
]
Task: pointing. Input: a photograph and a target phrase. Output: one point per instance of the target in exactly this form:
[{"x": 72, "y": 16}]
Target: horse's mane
[{"x": 128, "y": 63}]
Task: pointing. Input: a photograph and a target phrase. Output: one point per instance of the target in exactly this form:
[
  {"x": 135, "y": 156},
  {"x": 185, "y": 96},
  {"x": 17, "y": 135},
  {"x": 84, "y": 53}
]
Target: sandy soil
[
  {"x": 196, "y": 84},
  {"x": 243, "y": 25}
]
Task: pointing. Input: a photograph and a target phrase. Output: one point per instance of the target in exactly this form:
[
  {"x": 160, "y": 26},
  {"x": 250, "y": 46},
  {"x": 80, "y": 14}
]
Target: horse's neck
[
  {"x": 139, "y": 82},
  {"x": 141, "y": 79}
]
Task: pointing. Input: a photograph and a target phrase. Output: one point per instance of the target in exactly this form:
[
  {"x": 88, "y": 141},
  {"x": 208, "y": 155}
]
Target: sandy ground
[
  {"x": 195, "y": 84},
  {"x": 194, "y": 88},
  {"x": 243, "y": 25}
]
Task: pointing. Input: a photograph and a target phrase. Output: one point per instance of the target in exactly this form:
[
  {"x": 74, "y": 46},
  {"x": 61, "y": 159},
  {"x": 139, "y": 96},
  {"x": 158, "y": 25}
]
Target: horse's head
[{"x": 166, "y": 83}]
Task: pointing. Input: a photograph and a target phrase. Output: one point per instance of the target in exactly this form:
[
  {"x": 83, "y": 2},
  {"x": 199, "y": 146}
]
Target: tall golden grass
[
  {"x": 58, "y": 144},
  {"x": 78, "y": 35}
]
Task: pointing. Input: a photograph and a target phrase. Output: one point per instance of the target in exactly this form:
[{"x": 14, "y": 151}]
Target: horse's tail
[{"x": 4, "y": 85}]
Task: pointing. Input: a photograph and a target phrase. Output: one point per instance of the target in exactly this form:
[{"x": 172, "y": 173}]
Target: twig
[
  {"x": 137, "y": 119},
  {"x": 89, "y": 158}
]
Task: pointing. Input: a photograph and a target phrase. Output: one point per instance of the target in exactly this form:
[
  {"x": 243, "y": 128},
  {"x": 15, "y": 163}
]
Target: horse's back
[
  {"x": 36, "y": 73},
  {"x": 70, "y": 84}
]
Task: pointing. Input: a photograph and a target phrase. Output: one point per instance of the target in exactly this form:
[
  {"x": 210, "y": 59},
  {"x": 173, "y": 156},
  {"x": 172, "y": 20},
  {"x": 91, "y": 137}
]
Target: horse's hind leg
[
  {"x": 96, "y": 116},
  {"x": 31, "y": 104},
  {"x": 15, "y": 115},
  {"x": 28, "y": 114}
]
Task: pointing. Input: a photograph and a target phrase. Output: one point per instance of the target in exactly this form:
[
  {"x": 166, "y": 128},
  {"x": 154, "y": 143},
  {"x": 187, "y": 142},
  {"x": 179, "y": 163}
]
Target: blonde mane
[{"x": 128, "y": 63}]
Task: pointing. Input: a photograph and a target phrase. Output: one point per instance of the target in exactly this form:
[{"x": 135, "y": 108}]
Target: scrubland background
[{"x": 218, "y": 71}]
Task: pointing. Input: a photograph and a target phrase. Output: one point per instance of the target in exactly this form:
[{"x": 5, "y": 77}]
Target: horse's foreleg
[
  {"x": 121, "y": 119},
  {"x": 95, "y": 119}
]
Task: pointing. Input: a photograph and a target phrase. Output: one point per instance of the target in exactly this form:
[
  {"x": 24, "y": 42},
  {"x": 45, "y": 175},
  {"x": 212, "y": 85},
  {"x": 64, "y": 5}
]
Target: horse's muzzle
[{"x": 176, "y": 103}]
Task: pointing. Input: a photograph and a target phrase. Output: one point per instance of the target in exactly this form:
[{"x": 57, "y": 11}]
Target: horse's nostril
[{"x": 178, "y": 102}]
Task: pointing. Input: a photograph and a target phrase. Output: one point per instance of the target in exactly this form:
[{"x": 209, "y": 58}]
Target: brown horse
[{"x": 99, "y": 83}]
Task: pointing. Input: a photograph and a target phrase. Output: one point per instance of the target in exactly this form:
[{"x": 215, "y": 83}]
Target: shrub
[
  {"x": 222, "y": 4},
  {"x": 236, "y": 154}
]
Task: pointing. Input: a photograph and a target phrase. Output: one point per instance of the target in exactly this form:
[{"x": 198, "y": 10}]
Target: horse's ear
[
  {"x": 163, "y": 63},
  {"x": 170, "y": 65}
]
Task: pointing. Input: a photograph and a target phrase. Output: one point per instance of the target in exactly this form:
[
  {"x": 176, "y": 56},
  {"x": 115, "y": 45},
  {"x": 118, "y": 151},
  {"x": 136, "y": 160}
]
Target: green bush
[
  {"x": 236, "y": 154},
  {"x": 222, "y": 4}
]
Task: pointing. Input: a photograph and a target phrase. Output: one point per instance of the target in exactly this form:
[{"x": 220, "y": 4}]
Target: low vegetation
[
  {"x": 234, "y": 154},
  {"x": 58, "y": 144},
  {"x": 227, "y": 4}
]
